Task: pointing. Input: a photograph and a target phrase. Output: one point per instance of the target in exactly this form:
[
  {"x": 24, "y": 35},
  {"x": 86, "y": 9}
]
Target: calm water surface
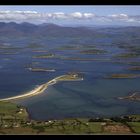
[{"x": 94, "y": 96}]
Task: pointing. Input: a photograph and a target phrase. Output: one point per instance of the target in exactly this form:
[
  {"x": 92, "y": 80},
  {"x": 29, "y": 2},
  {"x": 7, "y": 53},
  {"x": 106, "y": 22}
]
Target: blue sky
[{"x": 66, "y": 15}]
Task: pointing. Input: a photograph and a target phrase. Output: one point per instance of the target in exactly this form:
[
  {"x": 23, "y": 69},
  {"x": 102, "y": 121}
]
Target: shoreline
[
  {"x": 25, "y": 124},
  {"x": 38, "y": 90}
]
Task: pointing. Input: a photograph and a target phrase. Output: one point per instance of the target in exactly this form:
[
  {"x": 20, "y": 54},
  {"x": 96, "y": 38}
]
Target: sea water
[{"x": 94, "y": 96}]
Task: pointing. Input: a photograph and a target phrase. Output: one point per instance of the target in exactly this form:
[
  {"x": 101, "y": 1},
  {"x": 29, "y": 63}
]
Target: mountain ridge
[{"x": 26, "y": 29}]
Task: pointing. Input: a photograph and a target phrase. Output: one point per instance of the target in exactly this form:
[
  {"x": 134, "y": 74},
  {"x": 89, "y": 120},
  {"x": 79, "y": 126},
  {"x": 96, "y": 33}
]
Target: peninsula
[{"x": 43, "y": 87}]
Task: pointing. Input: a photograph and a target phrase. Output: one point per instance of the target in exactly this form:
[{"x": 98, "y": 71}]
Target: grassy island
[
  {"x": 34, "y": 46},
  {"x": 93, "y": 51},
  {"x": 44, "y": 56},
  {"x": 86, "y": 59},
  {"x": 113, "y": 76},
  {"x": 135, "y": 68},
  {"x": 39, "y": 51},
  {"x": 72, "y": 76},
  {"x": 128, "y": 55}
]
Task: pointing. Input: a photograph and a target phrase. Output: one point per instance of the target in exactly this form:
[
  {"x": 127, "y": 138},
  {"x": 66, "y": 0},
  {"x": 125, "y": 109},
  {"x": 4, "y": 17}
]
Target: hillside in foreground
[{"x": 15, "y": 120}]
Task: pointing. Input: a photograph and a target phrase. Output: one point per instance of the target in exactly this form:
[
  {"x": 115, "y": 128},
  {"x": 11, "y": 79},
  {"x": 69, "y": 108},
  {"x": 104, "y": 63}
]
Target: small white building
[
  {"x": 16, "y": 125},
  {"x": 103, "y": 124},
  {"x": 5, "y": 125},
  {"x": 20, "y": 112}
]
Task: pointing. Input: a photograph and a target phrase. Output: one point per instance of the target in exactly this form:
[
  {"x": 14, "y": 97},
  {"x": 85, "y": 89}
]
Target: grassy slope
[
  {"x": 135, "y": 126},
  {"x": 10, "y": 111},
  {"x": 10, "y": 116}
]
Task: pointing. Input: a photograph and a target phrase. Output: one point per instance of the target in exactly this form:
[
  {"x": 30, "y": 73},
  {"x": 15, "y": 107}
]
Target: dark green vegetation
[{"x": 14, "y": 119}]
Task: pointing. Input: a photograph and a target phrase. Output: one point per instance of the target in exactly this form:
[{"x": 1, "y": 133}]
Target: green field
[
  {"x": 10, "y": 111},
  {"x": 14, "y": 119},
  {"x": 135, "y": 126}
]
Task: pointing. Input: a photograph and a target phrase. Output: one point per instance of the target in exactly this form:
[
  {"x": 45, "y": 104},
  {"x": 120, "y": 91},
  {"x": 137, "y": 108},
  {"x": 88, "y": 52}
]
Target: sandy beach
[{"x": 38, "y": 90}]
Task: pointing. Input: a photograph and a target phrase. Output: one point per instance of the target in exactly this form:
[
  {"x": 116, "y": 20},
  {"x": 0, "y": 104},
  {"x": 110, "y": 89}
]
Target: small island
[
  {"x": 85, "y": 59},
  {"x": 119, "y": 76},
  {"x": 127, "y": 55},
  {"x": 41, "y": 70},
  {"x": 76, "y": 47},
  {"x": 39, "y": 51},
  {"x": 93, "y": 51},
  {"x": 135, "y": 97},
  {"x": 34, "y": 46},
  {"x": 44, "y": 56},
  {"x": 134, "y": 68},
  {"x": 9, "y": 53}
]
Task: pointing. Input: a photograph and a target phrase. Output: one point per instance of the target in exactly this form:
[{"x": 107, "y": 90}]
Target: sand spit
[{"x": 38, "y": 90}]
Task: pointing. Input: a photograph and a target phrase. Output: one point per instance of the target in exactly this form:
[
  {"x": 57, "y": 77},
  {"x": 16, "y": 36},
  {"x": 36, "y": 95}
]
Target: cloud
[
  {"x": 76, "y": 15},
  {"x": 88, "y": 15},
  {"x": 119, "y": 17},
  {"x": 125, "y": 18},
  {"x": 18, "y": 15},
  {"x": 18, "y": 12},
  {"x": 23, "y": 16},
  {"x": 26, "y": 15},
  {"x": 58, "y": 15}
]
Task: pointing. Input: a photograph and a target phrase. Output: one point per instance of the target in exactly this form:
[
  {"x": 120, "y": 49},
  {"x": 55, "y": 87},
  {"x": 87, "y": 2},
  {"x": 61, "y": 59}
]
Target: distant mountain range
[
  {"x": 48, "y": 29},
  {"x": 28, "y": 29}
]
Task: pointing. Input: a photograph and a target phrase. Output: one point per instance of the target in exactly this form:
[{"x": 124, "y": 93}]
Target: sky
[{"x": 73, "y": 15}]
